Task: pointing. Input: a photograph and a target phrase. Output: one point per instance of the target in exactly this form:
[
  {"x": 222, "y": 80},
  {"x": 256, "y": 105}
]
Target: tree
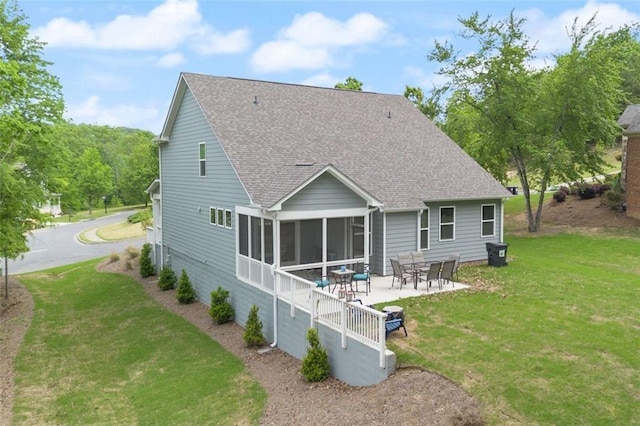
[
  {"x": 30, "y": 101},
  {"x": 93, "y": 177},
  {"x": 428, "y": 107},
  {"x": 350, "y": 84},
  {"x": 548, "y": 123},
  {"x": 140, "y": 169}
]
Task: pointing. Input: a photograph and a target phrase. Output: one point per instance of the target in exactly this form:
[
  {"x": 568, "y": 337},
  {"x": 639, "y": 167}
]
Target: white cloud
[
  {"x": 315, "y": 41},
  {"x": 170, "y": 60},
  {"x": 321, "y": 80},
  {"x": 165, "y": 27},
  {"x": 90, "y": 111},
  {"x": 551, "y": 33}
]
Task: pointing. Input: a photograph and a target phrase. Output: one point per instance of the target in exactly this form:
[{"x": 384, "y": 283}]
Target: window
[
  {"x": 203, "y": 159},
  {"x": 220, "y": 217},
  {"x": 227, "y": 219},
  {"x": 424, "y": 229},
  {"x": 447, "y": 223},
  {"x": 488, "y": 220},
  {"x": 212, "y": 215},
  {"x": 256, "y": 238},
  {"x": 243, "y": 232}
]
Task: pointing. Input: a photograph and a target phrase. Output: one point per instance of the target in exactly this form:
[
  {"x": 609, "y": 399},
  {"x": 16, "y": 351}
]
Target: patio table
[{"x": 342, "y": 277}]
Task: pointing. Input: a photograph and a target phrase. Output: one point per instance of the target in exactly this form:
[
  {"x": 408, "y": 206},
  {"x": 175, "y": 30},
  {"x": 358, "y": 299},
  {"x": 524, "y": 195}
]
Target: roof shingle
[{"x": 381, "y": 142}]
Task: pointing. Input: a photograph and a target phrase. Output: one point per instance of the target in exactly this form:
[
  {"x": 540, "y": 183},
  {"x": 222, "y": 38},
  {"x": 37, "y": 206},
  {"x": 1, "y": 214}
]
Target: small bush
[
  {"x": 114, "y": 257},
  {"x": 167, "y": 279},
  {"x": 146, "y": 266},
  {"x": 315, "y": 364},
  {"x": 221, "y": 310},
  {"x": 586, "y": 191},
  {"x": 559, "y": 196},
  {"x": 185, "y": 292},
  {"x": 128, "y": 266},
  {"x": 132, "y": 252},
  {"x": 253, "y": 331},
  {"x": 141, "y": 216}
]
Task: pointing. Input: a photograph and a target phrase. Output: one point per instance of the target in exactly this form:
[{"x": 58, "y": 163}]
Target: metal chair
[
  {"x": 363, "y": 273},
  {"x": 447, "y": 271},
  {"x": 433, "y": 274},
  {"x": 399, "y": 273},
  {"x": 320, "y": 280}
]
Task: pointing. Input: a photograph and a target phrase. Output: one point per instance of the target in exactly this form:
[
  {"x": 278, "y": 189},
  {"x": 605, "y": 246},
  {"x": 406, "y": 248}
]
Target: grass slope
[{"x": 100, "y": 351}]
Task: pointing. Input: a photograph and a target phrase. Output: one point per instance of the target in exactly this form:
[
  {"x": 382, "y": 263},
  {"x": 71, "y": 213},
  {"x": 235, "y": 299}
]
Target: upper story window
[
  {"x": 447, "y": 223},
  {"x": 488, "y": 222},
  {"x": 203, "y": 158},
  {"x": 424, "y": 229}
]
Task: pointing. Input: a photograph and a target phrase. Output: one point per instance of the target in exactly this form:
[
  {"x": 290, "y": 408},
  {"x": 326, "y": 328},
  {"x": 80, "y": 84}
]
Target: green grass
[
  {"x": 100, "y": 351},
  {"x": 96, "y": 213},
  {"x": 552, "y": 339}
]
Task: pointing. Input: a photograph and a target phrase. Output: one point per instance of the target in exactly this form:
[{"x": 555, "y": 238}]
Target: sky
[{"x": 119, "y": 61}]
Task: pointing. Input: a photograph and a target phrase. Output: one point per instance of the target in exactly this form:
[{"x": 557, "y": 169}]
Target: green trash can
[{"x": 497, "y": 254}]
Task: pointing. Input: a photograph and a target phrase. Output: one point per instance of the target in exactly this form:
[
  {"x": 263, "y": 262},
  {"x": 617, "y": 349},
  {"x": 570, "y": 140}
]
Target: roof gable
[
  {"x": 380, "y": 143},
  {"x": 630, "y": 119}
]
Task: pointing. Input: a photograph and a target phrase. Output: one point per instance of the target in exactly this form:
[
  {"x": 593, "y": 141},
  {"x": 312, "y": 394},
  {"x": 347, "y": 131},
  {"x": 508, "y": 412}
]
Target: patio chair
[
  {"x": 399, "y": 273},
  {"x": 455, "y": 257},
  {"x": 405, "y": 260},
  {"x": 433, "y": 274},
  {"x": 447, "y": 271},
  {"x": 419, "y": 262},
  {"x": 363, "y": 273},
  {"x": 392, "y": 324},
  {"x": 320, "y": 280}
]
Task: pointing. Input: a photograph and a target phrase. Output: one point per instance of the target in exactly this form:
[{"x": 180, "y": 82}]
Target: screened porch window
[{"x": 252, "y": 238}]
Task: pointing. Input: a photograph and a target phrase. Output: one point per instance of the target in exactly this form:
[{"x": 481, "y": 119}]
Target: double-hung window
[
  {"x": 202, "y": 153},
  {"x": 424, "y": 229},
  {"x": 447, "y": 223},
  {"x": 488, "y": 221}
]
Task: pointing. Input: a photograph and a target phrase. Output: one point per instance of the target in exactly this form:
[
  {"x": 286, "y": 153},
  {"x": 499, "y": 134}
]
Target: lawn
[
  {"x": 550, "y": 339},
  {"x": 100, "y": 351}
]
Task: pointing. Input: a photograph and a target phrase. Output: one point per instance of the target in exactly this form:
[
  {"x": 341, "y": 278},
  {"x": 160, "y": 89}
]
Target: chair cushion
[
  {"x": 322, "y": 283},
  {"x": 360, "y": 277}
]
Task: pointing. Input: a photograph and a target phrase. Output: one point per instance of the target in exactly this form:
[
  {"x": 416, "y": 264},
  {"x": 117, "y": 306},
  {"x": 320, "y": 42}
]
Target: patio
[{"x": 381, "y": 290}]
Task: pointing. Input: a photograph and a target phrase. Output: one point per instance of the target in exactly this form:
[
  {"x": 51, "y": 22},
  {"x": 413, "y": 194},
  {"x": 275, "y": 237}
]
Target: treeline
[{"x": 98, "y": 163}]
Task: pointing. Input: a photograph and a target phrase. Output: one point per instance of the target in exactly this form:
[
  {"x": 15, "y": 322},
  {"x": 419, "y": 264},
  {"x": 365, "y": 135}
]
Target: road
[{"x": 57, "y": 246}]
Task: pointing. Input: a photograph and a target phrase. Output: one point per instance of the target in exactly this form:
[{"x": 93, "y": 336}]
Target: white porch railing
[
  {"x": 255, "y": 273},
  {"x": 350, "y": 319}
]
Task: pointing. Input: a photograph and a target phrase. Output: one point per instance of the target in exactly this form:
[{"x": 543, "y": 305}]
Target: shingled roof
[{"x": 277, "y": 136}]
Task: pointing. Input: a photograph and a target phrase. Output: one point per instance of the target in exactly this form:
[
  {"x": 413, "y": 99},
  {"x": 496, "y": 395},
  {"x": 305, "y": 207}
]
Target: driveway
[{"x": 59, "y": 245}]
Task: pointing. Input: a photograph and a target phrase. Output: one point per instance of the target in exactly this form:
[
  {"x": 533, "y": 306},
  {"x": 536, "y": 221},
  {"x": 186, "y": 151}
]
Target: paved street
[{"x": 50, "y": 247}]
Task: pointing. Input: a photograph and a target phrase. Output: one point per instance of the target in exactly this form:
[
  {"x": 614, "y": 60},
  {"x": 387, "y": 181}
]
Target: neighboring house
[
  {"x": 260, "y": 181},
  {"x": 630, "y": 122},
  {"x": 51, "y": 205}
]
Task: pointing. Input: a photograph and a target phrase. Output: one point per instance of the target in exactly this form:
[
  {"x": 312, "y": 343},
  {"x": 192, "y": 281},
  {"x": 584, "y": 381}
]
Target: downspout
[
  {"x": 161, "y": 205},
  {"x": 276, "y": 261},
  {"x": 502, "y": 220}
]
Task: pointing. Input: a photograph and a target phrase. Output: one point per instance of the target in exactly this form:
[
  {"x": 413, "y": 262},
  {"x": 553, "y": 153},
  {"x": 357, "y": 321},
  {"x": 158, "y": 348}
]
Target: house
[
  {"x": 261, "y": 181},
  {"x": 630, "y": 122}
]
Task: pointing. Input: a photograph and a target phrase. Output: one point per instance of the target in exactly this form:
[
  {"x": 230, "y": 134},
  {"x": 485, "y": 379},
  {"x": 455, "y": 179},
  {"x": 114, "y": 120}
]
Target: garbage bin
[{"x": 497, "y": 254}]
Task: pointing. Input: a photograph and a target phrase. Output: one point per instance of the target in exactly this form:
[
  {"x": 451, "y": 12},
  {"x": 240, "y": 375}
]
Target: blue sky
[{"x": 119, "y": 61}]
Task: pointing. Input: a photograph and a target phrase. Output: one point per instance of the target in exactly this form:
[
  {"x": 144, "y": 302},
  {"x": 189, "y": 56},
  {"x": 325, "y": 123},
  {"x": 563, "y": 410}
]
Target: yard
[{"x": 549, "y": 339}]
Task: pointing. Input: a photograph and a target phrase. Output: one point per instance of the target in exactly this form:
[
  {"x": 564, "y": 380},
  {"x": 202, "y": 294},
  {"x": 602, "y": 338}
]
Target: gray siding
[
  {"x": 187, "y": 197},
  {"x": 326, "y": 192},
  {"x": 402, "y": 232}
]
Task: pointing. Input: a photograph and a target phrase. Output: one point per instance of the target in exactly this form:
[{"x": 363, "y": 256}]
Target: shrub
[
  {"x": 167, "y": 279},
  {"x": 114, "y": 257},
  {"x": 141, "y": 216},
  {"x": 586, "y": 191},
  {"x": 221, "y": 310},
  {"x": 128, "y": 266},
  {"x": 132, "y": 252},
  {"x": 185, "y": 292},
  {"x": 315, "y": 364},
  {"x": 146, "y": 266},
  {"x": 559, "y": 196},
  {"x": 253, "y": 331}
]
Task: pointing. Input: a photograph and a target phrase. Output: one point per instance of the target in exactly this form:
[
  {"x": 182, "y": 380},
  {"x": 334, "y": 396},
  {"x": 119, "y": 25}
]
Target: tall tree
[
  {"x": 94, "y": 179},
  {"x": 141, "y": 168},
  {"x": 350, "y": 83},
  {"x": 30, "y": 101},
  {"x": 546, "y": 122}
]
